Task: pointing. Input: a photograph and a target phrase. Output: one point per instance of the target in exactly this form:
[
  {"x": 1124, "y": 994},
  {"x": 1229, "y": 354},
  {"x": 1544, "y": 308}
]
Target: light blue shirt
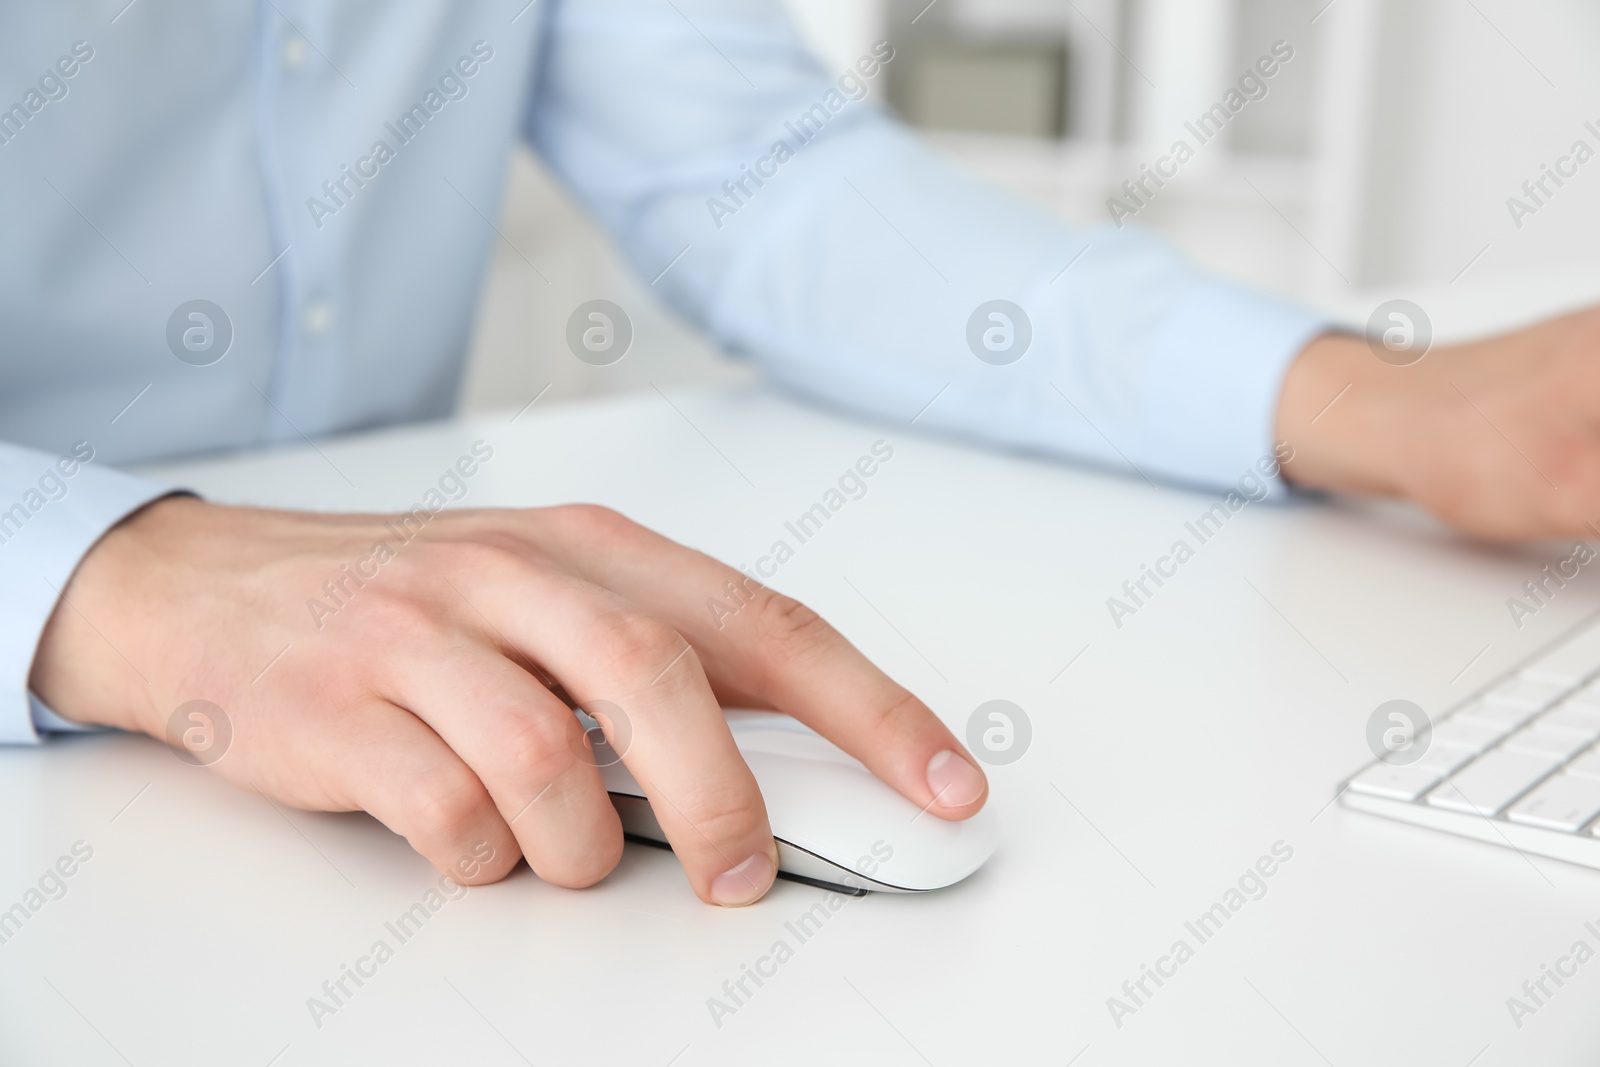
[{"x": 324, "y": 171}]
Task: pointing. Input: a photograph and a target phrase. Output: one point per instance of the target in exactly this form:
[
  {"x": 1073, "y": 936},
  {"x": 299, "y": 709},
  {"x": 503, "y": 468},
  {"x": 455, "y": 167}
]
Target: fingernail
[
  {"x": 746, "y": 883},
  {"x": 955, "y": 782}
]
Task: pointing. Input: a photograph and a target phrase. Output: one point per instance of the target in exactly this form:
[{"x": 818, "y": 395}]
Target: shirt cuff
[
  {"x": 1215, "y": 373},
  {"x": 49, "y": 520},
  {"x": 46, "y": 721}
]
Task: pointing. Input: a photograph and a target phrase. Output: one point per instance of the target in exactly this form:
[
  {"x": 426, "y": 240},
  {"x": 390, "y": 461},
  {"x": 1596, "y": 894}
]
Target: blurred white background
[{"x": 1379, "y": 164}]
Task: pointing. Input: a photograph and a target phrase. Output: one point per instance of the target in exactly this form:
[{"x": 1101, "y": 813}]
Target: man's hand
[
  {"x": 420, "y": 698},
  {"x": 1499, "y": 437}
]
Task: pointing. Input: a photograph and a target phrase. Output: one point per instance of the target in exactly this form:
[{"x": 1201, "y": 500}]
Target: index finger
[{"x": 778, "y": 653}]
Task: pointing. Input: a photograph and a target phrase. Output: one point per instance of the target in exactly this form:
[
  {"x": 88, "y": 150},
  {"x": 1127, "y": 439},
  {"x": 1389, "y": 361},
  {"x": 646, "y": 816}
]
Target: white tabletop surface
[{"x": 1169, "y": 756}]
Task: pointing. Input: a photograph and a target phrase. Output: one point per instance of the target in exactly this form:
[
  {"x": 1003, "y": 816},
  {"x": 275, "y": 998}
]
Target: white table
[{"x": 1169, "y": 756}]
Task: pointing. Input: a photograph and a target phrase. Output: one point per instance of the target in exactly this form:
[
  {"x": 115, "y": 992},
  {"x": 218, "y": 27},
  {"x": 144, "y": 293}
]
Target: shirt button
[
  {"x": 294, "y": 51},
  {"x": 318, "y": 318}
]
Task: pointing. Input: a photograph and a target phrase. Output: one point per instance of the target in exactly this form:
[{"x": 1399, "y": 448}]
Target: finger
[
  {"x": 524, "y": 745},
  {"x": 385, "y": 761},
  {"x": 777, "y": 650},
  {"x": 601, "y": 648}
]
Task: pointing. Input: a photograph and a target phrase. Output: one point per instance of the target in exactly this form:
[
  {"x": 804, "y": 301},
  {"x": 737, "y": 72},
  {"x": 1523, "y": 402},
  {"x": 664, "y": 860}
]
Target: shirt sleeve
[
  {"x": 53, "y": 509},
  {"x": 779, "y": 208}
]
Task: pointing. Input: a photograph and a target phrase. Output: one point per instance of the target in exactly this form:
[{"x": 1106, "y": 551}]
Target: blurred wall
[{"x": 1470, "y": 104}]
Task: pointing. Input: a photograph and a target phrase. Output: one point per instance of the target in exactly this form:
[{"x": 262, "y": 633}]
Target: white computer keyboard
[{"x": 1516, "y": 765}]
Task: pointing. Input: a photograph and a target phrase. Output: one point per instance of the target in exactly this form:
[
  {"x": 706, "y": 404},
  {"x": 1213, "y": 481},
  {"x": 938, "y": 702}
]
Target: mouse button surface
[
  {"x": 741, "y": 722},
  {"x": 851, "y": 819},
  {"x": 828, "y": 807},
  {"x": 807, "y": 746},
  {"x": 931, "y": 853}
]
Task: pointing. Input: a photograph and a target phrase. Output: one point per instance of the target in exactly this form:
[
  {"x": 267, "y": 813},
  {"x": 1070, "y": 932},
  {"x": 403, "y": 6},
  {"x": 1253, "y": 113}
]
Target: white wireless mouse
[{"x": 837, "y": 826}]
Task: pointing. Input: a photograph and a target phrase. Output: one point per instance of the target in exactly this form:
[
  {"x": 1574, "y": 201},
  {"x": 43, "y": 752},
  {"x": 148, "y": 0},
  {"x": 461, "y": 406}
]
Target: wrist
[
  {"x": 1345, "y": 413},
  {"x": 86, "y": 668}
]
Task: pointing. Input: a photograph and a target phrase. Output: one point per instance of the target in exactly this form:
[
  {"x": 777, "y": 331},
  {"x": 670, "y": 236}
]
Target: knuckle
[
  {"x": 535, "y": 750},
  {"x": 725, "y": 813},
  {"x": 790, "y": 629},
  {"x": 402, "y": 612},
  {"x": 595, "y": 519},
  {"x": 446, "y": 806},
  {"x": 900, "y": 716},
  {"x": 640, "y": 644}
]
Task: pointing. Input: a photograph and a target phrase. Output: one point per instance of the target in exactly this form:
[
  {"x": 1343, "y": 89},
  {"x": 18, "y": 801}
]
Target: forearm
[{"x": 855, "y": 271}]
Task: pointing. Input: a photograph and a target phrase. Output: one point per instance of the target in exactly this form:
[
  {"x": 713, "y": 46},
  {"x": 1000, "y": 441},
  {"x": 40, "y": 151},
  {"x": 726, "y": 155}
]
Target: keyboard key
[
  {"x": 1493, "y": 781},
  {"x": 1526, "y": 693},
  {"x": 1571, "y": 662},
  {"x": 1579, "y": 720},
  {"x": 1444, "y": 759},
  {"x": 1397, "y": 783},
  {"x": 1504, "y": 717},
  {"x": 1585, "y": 766},
  {"x": 1562, "y": 803},
  {"x": 1465, "y": 734},
  {"x": 1540, "y": 743}
]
